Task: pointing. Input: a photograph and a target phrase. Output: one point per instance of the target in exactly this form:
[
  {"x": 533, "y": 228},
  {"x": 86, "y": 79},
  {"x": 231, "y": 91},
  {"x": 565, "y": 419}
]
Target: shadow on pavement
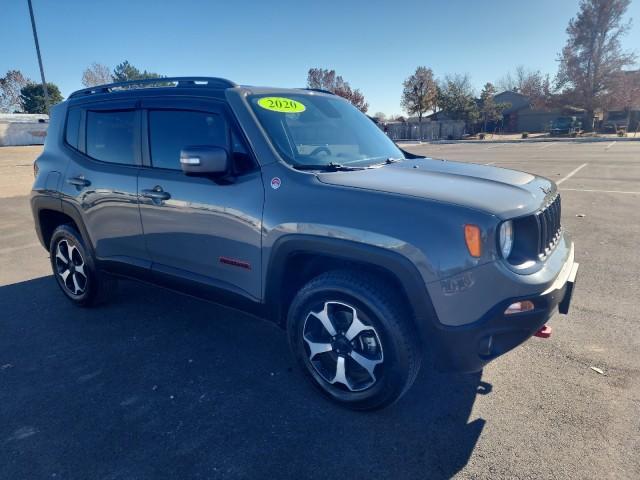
[{"x": 159, "y": 385}]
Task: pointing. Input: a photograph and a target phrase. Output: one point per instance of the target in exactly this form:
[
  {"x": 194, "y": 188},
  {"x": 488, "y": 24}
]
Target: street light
[{"x": 35, "y": 38}]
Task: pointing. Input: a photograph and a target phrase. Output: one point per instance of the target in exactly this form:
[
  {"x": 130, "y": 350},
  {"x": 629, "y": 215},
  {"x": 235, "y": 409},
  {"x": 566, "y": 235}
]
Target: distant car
[
  {"x": 615, "y": 122},
  {"x": 565, "y": 126},
  {"x": 292, "y": 205}
]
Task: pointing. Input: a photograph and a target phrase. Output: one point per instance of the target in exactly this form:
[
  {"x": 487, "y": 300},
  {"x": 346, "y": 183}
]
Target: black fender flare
[
  {"x": 393, "y": 263},
  {"x": 43, "y": 202}
]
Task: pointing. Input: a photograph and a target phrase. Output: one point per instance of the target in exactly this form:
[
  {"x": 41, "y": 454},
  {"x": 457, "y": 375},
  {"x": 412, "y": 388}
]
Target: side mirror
[{"x": 204, "y": 160}]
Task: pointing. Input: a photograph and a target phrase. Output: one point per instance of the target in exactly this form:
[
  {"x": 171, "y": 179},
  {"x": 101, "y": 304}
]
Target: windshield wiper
[
  {"x": 328, "y": 167},
  {"x": 387, "y": 161}
]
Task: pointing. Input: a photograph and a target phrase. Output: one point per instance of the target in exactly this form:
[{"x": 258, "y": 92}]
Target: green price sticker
[{"x": 281, "y": 104}]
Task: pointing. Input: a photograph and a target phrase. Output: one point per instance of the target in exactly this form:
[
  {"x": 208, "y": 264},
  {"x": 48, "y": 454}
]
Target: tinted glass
[
  {"x": 325, "y": 130},
  {"x": 172, "y": 130},
  {"x": 73, "y": 127},
  {"x": 241, "y": 159},
  {"x": 110, "y": 136}
]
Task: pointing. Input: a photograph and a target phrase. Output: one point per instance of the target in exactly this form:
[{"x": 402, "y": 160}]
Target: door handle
[
  {"x": 156, "y": 194},
  {"x": 79, "y": 181}
]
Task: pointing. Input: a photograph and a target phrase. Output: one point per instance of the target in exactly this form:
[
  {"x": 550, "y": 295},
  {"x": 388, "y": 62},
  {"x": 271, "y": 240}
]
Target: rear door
[
  {"x": 200, "y": 228},
  {"x": 101, "y": 177}
]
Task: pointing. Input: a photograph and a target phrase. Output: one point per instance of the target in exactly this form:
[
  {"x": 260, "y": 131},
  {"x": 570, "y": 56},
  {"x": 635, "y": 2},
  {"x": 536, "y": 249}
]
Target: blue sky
[{"x": 373, "y": 44}]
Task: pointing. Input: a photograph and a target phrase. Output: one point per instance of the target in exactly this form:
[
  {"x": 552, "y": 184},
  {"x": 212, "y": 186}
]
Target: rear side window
[
  {"x": 73, "y": 127},
  {"x": 110, "y": 136},
  {"x": 172, "y": 130}
]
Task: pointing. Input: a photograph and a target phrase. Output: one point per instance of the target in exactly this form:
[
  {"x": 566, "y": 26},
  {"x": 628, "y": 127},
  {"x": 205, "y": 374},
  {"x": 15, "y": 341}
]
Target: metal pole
[{"x": 35, "y": 38}]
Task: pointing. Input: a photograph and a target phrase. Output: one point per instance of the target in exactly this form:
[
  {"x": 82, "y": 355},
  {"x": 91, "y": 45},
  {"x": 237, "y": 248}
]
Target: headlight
[{"x": 506, "y": 238}]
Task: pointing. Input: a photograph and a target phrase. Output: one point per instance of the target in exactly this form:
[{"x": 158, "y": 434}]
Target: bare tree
[
  {"x": 10, "y": 87},
  {"x": 420, "y": 93},
  {"x": 328, "y": 80},
  {"x": 507, "y": 83},
  {"x": 531, "y": 83},
  {"x": 625, "y": 92},
  {"x": 381, "y": 116},
  {"x": 96, "y": 74},
  {"x": 593, "y": 56}
]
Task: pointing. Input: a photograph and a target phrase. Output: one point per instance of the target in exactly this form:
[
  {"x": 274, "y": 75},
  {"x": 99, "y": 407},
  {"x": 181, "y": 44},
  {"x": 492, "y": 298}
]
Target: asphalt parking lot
[{"x": 159, "y": 385}]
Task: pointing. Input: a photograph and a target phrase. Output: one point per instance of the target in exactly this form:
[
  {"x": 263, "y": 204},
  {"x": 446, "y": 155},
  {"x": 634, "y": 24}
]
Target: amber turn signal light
[{"x": 473, "y": 240}]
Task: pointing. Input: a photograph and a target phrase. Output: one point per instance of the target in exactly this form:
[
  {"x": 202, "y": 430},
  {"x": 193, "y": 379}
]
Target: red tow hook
[{"x": 544, "y": 332}]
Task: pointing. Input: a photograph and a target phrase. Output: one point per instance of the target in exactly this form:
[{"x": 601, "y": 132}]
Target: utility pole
[{"x": 35, "y": 38}]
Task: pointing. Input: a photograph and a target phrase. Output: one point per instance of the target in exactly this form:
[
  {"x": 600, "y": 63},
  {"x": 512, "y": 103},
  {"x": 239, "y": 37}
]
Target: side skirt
[{"x": 185, "y": 286}]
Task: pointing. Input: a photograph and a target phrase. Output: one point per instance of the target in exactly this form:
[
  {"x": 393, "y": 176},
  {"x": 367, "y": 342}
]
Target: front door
[{"x": 200, "y": 228}]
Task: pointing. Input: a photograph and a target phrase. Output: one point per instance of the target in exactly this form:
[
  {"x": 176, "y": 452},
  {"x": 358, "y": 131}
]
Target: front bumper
[{"x": 470, "y": 347}]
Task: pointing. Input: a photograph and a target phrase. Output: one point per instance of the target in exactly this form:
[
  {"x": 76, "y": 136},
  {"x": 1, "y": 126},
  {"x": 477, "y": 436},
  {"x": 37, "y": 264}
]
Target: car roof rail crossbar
[{"x": 211, "y": 82}]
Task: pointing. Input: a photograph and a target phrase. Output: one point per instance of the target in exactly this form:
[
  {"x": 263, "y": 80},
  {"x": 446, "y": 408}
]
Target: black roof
[{"x": 176, "y": 82}]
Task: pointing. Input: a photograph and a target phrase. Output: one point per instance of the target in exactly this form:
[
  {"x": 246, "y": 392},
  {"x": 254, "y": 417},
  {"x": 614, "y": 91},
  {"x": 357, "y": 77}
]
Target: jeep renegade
[{"x": 294, "y": 206}]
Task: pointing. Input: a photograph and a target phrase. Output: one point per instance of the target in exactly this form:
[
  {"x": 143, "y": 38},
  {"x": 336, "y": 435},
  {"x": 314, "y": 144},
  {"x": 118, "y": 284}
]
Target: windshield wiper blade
[
  {"x": 328, "y": 167},
  {"x": 387, "y": 161}
]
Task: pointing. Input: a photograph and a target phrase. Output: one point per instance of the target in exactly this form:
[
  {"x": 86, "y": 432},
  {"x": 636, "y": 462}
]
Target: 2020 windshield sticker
[{"x": 281, "y": 104}]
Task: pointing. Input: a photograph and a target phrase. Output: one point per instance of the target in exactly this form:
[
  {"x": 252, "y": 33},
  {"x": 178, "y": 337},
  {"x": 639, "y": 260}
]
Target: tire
[
  {"x": 75, "y": 271},
  {"x": 366, "y": 365}
]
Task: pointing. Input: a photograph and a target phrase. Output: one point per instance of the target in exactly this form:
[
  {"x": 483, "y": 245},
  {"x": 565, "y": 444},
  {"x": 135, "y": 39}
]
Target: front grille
[{"x": 549, "y": 226}]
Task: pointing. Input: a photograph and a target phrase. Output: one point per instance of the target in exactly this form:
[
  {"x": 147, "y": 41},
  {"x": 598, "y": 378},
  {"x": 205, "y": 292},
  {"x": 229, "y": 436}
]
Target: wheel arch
[
  {"x": 49, "y": 213},
  {"x": 295, "y": 259}
]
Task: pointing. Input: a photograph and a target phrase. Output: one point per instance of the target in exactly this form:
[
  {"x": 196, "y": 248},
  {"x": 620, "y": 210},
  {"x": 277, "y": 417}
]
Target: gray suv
[{"x": 292, "y": 205}]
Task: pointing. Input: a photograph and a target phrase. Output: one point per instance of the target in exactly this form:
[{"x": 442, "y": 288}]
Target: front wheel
[{"x": 353, "y": 338}]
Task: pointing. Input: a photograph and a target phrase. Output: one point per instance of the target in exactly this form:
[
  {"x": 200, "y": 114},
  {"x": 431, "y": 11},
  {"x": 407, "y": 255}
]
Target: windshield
[
  {"x": 561, "y": 122},
  {"x": 310, "y": 130}
]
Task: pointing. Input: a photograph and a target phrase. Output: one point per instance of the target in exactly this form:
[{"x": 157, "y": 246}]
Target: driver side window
[{"x": 172, "y": 130}]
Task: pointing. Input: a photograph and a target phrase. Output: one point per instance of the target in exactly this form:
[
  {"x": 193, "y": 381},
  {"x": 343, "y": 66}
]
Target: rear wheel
[
  {"x": 354, "y": 339},
  {"x": 75, "y": 271}
]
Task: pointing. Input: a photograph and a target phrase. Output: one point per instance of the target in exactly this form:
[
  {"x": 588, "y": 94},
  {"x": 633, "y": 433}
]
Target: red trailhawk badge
[{"x": 275, "y": 183}]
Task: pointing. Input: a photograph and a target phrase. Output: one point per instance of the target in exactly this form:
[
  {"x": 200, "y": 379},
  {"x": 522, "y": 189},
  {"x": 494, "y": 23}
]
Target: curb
[{"x": 528, "y": 140}]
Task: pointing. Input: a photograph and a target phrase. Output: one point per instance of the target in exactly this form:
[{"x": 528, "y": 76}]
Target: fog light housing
[{"x": 519, "y": 307}]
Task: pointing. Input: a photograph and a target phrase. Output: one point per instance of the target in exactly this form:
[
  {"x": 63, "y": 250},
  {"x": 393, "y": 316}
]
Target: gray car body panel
[{"x": 415, "y": 209}]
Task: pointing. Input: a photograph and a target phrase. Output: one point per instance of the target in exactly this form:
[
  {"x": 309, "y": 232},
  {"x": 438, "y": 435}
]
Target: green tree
[
  {"x": 593, "y": 58},
  {"x": 490, "y": 111},
  {"x": 419, "y": 93},
  {"x": 125, "y": 72},
  {"x": 457, "y": 100},
  {"x": 32, "y": 97}
]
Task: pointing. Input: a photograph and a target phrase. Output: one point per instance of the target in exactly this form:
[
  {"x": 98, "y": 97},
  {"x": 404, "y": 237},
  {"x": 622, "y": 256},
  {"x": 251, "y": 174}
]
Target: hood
[{"x": 499, "y": 191}]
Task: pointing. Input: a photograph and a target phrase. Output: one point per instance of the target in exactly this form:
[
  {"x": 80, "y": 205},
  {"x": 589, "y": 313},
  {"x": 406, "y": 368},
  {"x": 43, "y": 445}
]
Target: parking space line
[
  {"x": 572, "y": 173},
  {"x": 600, "y": 191},
  {"x": 490, "y": 163},
  {"x": 547, "y": 145},
  {"x": 610, "y": 145}
]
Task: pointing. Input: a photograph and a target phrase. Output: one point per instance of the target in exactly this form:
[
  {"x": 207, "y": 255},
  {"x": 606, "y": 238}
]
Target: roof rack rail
[
  {"x": 321, "y": 90},
  {"x": 211, "y": 82}
]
